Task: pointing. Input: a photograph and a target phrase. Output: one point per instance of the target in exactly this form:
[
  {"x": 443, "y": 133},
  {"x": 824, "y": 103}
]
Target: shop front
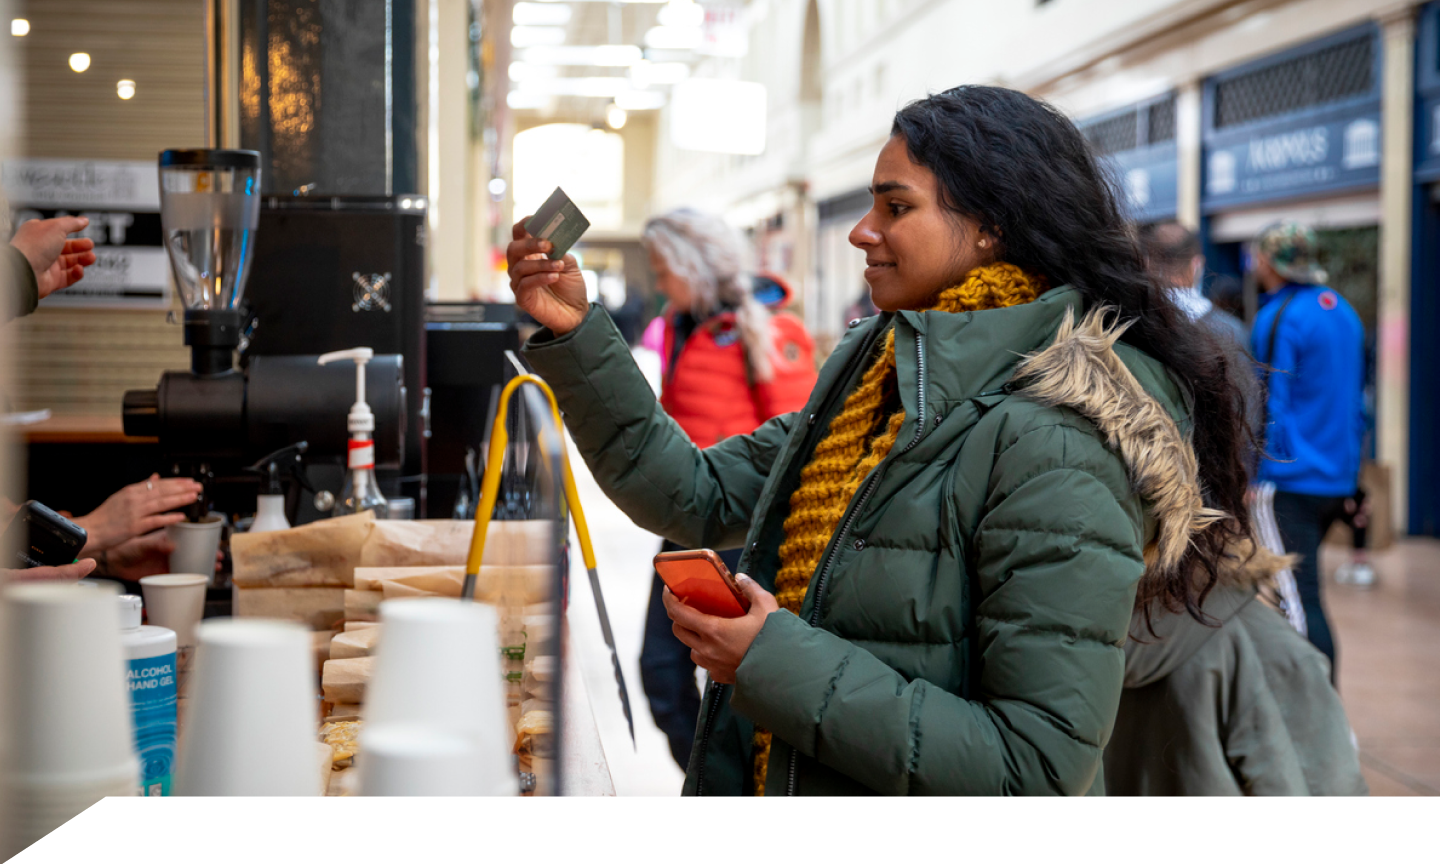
[
  {"x": 1297, "y": 136},
  {"x": 1424, "y": 517},
  {"x": 1137, "y": 144}
]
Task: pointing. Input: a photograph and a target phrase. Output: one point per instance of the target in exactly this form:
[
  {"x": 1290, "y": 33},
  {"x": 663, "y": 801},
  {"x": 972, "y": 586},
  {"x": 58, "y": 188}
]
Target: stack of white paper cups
[
  {"x": 68, "y": 740},
  {"x": 251, "y": 729},
  {"x": 411, "y": 759},
  {"x": 435, "y": 707}
]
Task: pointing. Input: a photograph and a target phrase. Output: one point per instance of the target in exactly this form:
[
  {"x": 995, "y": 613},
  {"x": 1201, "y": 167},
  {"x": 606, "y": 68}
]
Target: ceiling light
[
  {"x": 19, "y": 27},
  {"x": 497, "y": 188},
  {"x": 652, "y": 74},
  {"x": 520, "y": 101},
  {"x": 525, "y": 37},
  {"x": 584, "y": 55},
  {"x": 80, "y": 61},
  {"x": 682, "y": 13},
  {"x": 718, "y": 116},
  {"x": 673, "y": 38},
  {"x": 615, "y": 116},
  {"x": 530, "y": 71},
  {"x": 541, "y": 13},
  {"x": 600, "y": 87},
  {"x": 640, "y": 100},
  {"x": 125, "y": 88}
]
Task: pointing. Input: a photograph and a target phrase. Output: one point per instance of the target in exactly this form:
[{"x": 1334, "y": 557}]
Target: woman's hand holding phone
[
  {"x": 716, "y": 644},
  {"x": 553, "y": 292}
]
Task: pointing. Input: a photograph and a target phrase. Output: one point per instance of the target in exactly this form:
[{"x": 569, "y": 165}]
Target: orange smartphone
[{"x": 701, "y": 579}]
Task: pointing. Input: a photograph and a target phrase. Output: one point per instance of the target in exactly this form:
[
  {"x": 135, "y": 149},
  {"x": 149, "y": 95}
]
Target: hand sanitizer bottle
[
  {"x": 150, "y": 678},
  {"x": 361, "y": 492}
]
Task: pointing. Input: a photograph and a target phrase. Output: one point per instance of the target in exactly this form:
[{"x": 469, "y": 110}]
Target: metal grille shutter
[
  {"x": 1115, "y": 134},
  {"x": 1162, "y": 120},
  {"x": 1328, "y": 75},
  {"x": 1145, "y": 124},
  {"x": 80, "y": 361}
]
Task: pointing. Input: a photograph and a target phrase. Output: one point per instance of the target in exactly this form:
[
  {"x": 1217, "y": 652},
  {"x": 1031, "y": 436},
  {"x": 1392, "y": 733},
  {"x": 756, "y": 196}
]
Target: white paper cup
[
  {"x": 251, "y": 727},
  {"x": 438, "y": 667},
  {"x": 67, "y": 712},
  {"x": 176, "y": 601},
  {"x": 195, "y": 545},
  {"x": 401, "y": 759}
]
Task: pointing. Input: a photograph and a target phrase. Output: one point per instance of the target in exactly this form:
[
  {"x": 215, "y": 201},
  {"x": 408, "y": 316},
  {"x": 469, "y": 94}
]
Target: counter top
[{"x": 80, "y": 429}]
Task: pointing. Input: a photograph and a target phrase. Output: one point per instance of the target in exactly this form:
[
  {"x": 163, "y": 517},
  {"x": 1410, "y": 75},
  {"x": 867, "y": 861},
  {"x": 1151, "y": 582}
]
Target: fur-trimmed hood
[{"x": 1081, "y": 371}]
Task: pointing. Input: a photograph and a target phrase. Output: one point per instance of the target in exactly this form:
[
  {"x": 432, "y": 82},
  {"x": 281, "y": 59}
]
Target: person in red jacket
[{"x": 730, "y": 360}]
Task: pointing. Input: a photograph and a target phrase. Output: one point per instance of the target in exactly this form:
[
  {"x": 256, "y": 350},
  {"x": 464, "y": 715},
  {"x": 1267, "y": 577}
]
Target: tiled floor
[{"x": 1389, "y": 656}]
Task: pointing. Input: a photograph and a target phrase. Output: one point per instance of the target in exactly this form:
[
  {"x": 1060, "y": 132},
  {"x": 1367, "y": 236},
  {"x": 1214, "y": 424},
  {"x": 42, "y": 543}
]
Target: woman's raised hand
[{"x": 553, "y": 292}]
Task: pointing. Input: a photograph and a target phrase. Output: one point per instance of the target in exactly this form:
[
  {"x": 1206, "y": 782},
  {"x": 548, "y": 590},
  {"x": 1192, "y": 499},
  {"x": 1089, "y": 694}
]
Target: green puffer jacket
[
  {"x": 1241, "y": 705},
  {"x": 963, "y": 632}
]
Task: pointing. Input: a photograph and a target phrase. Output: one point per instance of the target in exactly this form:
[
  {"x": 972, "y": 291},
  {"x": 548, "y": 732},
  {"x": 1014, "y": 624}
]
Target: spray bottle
[
  {"x": 361, "y": 492},
  {"x": 270, "y": 504}
]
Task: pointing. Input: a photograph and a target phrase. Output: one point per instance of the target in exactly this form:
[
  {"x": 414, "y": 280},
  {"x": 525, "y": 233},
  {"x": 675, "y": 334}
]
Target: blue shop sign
[
  {"x": 1150, "y": 179},
  {"x": 1427, "y": 136},
  {"x": 1310, "y": 155}
]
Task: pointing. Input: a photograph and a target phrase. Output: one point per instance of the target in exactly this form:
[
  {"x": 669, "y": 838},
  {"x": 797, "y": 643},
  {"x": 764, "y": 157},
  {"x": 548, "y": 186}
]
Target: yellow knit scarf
[{"x": 853, "y": 446}]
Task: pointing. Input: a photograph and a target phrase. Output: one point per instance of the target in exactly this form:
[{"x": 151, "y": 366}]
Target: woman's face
[
  {"x": 914, "y": 248},
  {"x": 670, "y": 283}
]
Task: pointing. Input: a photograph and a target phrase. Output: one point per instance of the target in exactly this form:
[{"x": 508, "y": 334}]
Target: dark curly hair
[{"x": 1023, "y": 171}]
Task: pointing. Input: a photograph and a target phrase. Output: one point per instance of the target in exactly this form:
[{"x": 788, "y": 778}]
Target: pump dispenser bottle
[
  {"x": 150, "y": 678},
  {"x": 361, "y": 491}
]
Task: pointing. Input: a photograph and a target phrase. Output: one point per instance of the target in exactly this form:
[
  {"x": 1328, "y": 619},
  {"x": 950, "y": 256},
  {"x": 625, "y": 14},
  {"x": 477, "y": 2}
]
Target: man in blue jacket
[{"x": 1309, "y": 345}]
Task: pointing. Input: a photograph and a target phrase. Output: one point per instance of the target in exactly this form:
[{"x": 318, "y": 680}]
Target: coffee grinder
[{"x": 214, "y": 419}]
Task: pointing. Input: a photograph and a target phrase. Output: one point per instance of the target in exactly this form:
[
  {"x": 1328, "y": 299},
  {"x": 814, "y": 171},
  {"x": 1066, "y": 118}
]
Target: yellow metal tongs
[{"x": 490, "y": 491}]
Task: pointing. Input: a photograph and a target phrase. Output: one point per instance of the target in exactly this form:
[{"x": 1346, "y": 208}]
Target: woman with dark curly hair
[{"x": 945, "y": 546}]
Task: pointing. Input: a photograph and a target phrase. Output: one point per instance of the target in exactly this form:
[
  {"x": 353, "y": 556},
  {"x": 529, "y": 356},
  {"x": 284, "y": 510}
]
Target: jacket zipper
[
  {"x": 865, "y": 494},
  {"x": 705, "y": 736},
  {"x": 715, "y": 689}
]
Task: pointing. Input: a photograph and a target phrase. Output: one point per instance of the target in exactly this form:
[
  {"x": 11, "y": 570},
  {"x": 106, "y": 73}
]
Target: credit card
[{"x": 559, "y": 221}]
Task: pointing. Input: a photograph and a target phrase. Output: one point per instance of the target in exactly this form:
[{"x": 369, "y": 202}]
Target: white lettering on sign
[
  {"x": 1298, "y": 149},
  {"x": 124, "y": 276},
  {"x": 1361, "y": 148},
  {"x": 1221, "y": 179},
  {"x": 112, "y": 185},
  {"x": 1137, "y": 183}
]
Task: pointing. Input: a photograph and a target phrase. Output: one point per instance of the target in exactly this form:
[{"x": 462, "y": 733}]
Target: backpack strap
[{"x": 1270, "y": 352}]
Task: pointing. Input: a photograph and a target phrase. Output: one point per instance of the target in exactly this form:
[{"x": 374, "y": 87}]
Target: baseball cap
[{"x": 1293, "y": 250}]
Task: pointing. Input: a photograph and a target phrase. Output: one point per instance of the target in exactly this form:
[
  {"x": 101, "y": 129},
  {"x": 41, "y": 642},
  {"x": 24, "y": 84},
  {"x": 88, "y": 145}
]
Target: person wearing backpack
[{"x": 1309, "y": 346}]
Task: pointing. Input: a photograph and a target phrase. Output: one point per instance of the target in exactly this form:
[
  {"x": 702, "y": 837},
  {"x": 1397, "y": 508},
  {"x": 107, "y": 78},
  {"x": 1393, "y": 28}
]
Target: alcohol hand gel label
[{"x": 151, "y": 681}]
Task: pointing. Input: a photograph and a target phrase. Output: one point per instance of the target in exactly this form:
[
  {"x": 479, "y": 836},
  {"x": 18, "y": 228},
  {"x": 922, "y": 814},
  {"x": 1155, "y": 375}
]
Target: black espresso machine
[{"x": 326, "y": 276}]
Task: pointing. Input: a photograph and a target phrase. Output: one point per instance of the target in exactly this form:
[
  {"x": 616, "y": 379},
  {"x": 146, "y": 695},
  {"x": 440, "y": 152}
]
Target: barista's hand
[
  {"x": 58, "y": 262},
  {"x": 137, "y": 510},
  {"x": 142, "y": 556},
  {"x": 69, "y": 573},
  {"x": 553, "y": 292},
  {"x": 717, "y": 644}
]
